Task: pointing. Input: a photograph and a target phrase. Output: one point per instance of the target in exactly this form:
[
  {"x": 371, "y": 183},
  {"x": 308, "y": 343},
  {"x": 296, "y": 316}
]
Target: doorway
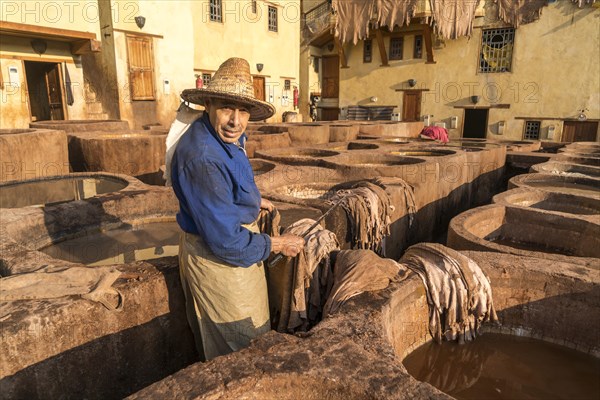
[
  {"x": 411, "y": 106},
  {"x": 44, "y": 86},
  {"x": 330, "y": 77},
  {"x": 259, "y": 87},
  {"x": 475, "y": 125},
  {"x": 580, "y": 131}
]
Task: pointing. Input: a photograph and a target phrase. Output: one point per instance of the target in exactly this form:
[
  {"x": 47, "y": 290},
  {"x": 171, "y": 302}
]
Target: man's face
[{"x": 229, "y": 118}]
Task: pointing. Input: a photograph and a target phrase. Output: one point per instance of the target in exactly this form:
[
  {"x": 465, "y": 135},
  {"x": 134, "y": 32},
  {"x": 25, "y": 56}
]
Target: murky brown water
[
  {"x": 119, "y": 246},
  {"x": 503, "y": 367},
  {"x": 57, "y": 190}
]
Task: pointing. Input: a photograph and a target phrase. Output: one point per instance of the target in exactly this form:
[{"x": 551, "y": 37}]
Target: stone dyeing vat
[
  {"x": 527, "y": 232},
  {"x": 32, "y": 154},
  {"x": 59, "y": 189},
  {"x": 549, "y": 201},
  {"x": 576, "y": 185}
]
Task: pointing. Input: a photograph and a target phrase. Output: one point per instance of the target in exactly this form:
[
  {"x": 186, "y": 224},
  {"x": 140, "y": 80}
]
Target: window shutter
[{"x": 141, "y": 67}]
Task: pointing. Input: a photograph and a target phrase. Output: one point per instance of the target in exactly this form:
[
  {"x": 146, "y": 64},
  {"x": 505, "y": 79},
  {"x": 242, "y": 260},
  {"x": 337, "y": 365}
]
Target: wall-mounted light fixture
[
  {"x": 412, "y": 82},
  {"x": 259, "y": 67},
  {"x": 453, "y": 122},
  {"x": 39, "y": 46},
  {"x": 330, "y": 46},
  {"x": 374, "y": 99},
  {"x": 140, "y": 21},
  {"x": 474, "y": 99},
  {"x": 551, "y": 130},
  {"x": 501, "y": 127}
]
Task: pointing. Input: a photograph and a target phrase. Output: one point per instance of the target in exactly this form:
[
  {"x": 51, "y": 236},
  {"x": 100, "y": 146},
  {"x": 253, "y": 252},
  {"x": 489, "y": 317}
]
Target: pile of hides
[
  {"x": 94, "y": 284},
  {"x": 458, "y": 292},
  {"x": 298, "y": 286},
  {"x": 358, "y": 271},
  {"x": 369, "y": 210},
  {"x": 435, "y": 133}
]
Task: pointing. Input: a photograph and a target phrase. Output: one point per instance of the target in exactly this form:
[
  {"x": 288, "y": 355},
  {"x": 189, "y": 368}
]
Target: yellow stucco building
[
  {"x": 130, "y": 60},
  {"x": 540, "y": 80}
]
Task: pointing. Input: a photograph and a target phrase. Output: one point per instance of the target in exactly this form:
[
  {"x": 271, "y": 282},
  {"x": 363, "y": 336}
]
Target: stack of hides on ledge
[
  {"x": 369, "y": 210},
  {"x": 458, "y": 292}
]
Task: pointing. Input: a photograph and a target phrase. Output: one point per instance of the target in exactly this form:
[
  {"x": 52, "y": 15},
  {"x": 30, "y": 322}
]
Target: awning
[{"x": 81, "y": 42}]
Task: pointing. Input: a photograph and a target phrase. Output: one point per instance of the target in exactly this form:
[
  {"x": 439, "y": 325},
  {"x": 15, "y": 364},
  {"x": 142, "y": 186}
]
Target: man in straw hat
[{"x": 221, "y": 251}]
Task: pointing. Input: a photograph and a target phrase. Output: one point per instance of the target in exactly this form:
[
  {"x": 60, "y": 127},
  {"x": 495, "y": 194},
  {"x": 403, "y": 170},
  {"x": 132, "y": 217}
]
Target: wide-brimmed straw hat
[{"x": 232, "y": 81}]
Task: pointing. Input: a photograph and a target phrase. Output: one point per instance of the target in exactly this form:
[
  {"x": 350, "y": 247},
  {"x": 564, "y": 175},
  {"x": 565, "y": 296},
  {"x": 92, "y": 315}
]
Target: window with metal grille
[
  {"x": 216, "y": 11},
  {"x": 368, "y": 51},
  {"x": 141, "y": 67},
  {"x": 273, "y": 19},
  {"x": 287, "y": 84},
  {"x": 396, "y": 47},
  {"x": 418, "y": 49},
  {"x": 532, "y": 130},
  {"x": 496, "y": 50},
  {"x": 206, "y": 79},
  {"x": 254, "y": 7}
]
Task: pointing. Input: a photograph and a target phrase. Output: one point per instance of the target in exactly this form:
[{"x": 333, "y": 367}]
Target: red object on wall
[
  {"x": 296, "y": 97},
  {"x": 199, "y": 82}
]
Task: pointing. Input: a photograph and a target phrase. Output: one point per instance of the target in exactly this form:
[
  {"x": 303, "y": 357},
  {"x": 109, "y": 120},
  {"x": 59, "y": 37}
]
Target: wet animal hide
[{"x": 459, "y": 294}]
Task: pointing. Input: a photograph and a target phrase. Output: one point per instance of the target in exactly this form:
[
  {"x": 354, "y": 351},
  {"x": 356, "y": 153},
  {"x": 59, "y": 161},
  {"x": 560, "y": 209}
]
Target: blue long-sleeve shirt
[{"x": 214, "y": 183}]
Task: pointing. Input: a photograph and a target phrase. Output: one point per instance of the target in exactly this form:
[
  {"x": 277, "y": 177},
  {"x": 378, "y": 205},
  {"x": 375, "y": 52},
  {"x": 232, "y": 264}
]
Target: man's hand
[
  {"x": 287, "y": 244},
  {"x": 266, "y": 205}
]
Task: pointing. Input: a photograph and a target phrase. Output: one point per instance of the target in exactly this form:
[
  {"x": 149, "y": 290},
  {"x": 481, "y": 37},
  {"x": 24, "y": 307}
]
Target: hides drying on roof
[
  {"x": 395, "y": 12},
  {"x": 519, "y": 12},
  {"x": 452, "y": 18},
  {"x": 353, "y": 17}
]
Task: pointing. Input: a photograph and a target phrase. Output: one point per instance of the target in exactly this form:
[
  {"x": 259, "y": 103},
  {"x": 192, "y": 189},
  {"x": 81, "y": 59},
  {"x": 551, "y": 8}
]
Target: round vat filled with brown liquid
[
  {"x": 122, "y": 244},
  {"x": 59, "y": 189},
  {"x": 356, "y": 146},
  {"x": 261, "y": 167},
  {"x": 506, "y": 367}
]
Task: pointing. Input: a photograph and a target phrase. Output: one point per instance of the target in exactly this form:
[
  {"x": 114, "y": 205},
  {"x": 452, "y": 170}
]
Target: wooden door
[
  {"x": 330, "y": 114},
  {"x": 475, "y": 123},
  {"x": 411, "y": 106},
  {"x": 55, "y": 98},
  {"x": 580, "y": 131},
  {"x": 331, "y": 77},
  {"x": 259, "y": 87}
]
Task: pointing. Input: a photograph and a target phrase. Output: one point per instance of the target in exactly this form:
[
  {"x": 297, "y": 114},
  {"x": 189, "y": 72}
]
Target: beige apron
[{"x": 227, "y": 306}]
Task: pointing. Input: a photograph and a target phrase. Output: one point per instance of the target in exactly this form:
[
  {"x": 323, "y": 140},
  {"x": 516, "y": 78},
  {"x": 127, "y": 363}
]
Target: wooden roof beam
[
  {"x": 428, "y": 44},
  {"x": 342, "y": 53},
  {"x": 382, "y": 51}
]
